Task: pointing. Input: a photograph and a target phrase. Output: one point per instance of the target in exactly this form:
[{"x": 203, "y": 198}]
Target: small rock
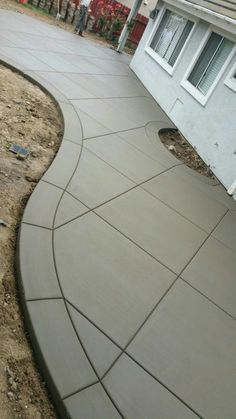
[
  {"x": 51, "y": 144},
  {"x": 12, "y": 384},
  {"x": 20, "y": 157},
  {"x": 9, "y": 371},
  {"x": 30, "y": 179},
  {"x": 10, "y": 395},
  {"x": 172, "y": 148},
  {"x": 9, "y": 106}
]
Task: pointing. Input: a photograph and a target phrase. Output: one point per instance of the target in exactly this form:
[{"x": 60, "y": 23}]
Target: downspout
[
  {"x": 128, "y": 24},
  {"x": 232, "y": 190}
]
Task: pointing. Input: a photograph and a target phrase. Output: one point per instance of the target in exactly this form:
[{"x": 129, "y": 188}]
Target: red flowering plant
[{"x": 109, "y": 19}]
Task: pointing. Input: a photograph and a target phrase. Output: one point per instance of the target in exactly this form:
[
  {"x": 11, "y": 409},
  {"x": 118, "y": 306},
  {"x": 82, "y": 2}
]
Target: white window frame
[
  {"x": 200, "y": 97},
  {"x": 230, "y": 81},
  {"x": 154, "y": 54}
]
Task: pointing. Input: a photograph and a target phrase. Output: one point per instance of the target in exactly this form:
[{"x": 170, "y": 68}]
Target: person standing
[{"x": 83, "y": 10}]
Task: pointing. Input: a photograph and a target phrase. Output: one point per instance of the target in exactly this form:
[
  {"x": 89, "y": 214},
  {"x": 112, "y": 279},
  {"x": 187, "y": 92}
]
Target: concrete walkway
[{"x": 126, "y": 257}]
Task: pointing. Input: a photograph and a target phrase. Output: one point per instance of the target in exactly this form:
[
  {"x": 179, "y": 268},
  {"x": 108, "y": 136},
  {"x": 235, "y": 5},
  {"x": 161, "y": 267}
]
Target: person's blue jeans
[{"x": 82, "y": 17}]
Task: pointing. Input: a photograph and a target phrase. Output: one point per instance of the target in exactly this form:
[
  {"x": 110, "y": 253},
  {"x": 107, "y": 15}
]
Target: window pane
[
  {"x": 215, "y": 66},
  {"x": 159, "y": 33},
  {"x": 178, "y": 28},
  {"x": 167, "y": 34},
  {"x": 204, "y": 59},
  {"x": 171, "y": 36},
  {"x": 181, "y": 42},
  {"x": 210, "y": 62}
]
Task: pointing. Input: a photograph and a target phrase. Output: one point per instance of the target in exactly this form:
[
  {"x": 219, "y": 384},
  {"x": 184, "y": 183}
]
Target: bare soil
[
  {"x": 28, "y": 117},
  {"x": 175, "y": 142}
]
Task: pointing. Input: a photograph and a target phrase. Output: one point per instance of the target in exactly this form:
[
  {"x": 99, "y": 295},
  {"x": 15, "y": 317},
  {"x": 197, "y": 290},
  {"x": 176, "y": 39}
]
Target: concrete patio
[{"x": 126, "y": 258}]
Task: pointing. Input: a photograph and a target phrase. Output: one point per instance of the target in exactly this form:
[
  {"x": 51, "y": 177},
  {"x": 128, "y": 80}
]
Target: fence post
[{"x": 125, "y": 32}]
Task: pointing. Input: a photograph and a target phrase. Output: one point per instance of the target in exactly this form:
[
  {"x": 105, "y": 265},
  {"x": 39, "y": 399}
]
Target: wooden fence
[{"x": 67, "y": 8}]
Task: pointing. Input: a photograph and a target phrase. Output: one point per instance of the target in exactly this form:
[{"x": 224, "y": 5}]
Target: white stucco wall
[{"x": 204, "y": 127}]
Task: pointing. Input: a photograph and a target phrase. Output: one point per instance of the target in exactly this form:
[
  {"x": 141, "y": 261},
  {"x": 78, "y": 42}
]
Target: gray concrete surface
[{"x": 126, "y": 259}]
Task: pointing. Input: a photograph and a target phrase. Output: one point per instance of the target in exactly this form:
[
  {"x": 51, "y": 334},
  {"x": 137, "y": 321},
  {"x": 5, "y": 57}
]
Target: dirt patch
[
  {"x": 175, "y": 142},
  {"x": 29, "y": 118}
]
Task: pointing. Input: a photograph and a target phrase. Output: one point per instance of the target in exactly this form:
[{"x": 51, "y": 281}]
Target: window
[
  {"x": 231, "y": 79},
  {"x": 215, "y": 53},
  {"x": 210, "y": 62},
  {"x": 169, "y": 38}
]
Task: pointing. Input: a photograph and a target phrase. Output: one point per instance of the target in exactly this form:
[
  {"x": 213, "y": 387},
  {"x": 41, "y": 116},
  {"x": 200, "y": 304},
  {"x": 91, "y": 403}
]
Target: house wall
[
  {"x": 146, "y": 7},
  {"x": 210, "y": 128}
]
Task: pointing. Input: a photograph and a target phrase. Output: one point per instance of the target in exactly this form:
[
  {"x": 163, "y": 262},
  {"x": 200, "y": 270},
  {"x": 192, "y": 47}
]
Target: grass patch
[{"x": 36, "y": 9}]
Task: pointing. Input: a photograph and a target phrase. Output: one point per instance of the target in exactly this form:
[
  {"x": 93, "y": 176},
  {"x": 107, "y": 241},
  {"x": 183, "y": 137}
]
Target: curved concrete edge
[
  {"x": 63, "y": 383},
  {"x": 69, "y": 144},
  {"x": 30, "y": 75},
  {"x": 37, "y": 353},
  {"x": 212, "y": 187},
  {"x": 12, "y": 65},
  {"x": 61, "y": 359},
  {"x": 68, "y": 152},
  {"x": 152, "y": 128}
]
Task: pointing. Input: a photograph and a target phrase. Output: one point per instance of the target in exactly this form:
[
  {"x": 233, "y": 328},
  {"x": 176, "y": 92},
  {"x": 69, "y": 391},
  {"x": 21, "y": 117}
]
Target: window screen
[
  {"x": 170, "y": 36},
  {"x": 210, "y": 62}
]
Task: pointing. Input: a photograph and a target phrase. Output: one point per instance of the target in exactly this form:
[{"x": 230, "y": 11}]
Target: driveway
[{"x": 126, "y": 258}]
